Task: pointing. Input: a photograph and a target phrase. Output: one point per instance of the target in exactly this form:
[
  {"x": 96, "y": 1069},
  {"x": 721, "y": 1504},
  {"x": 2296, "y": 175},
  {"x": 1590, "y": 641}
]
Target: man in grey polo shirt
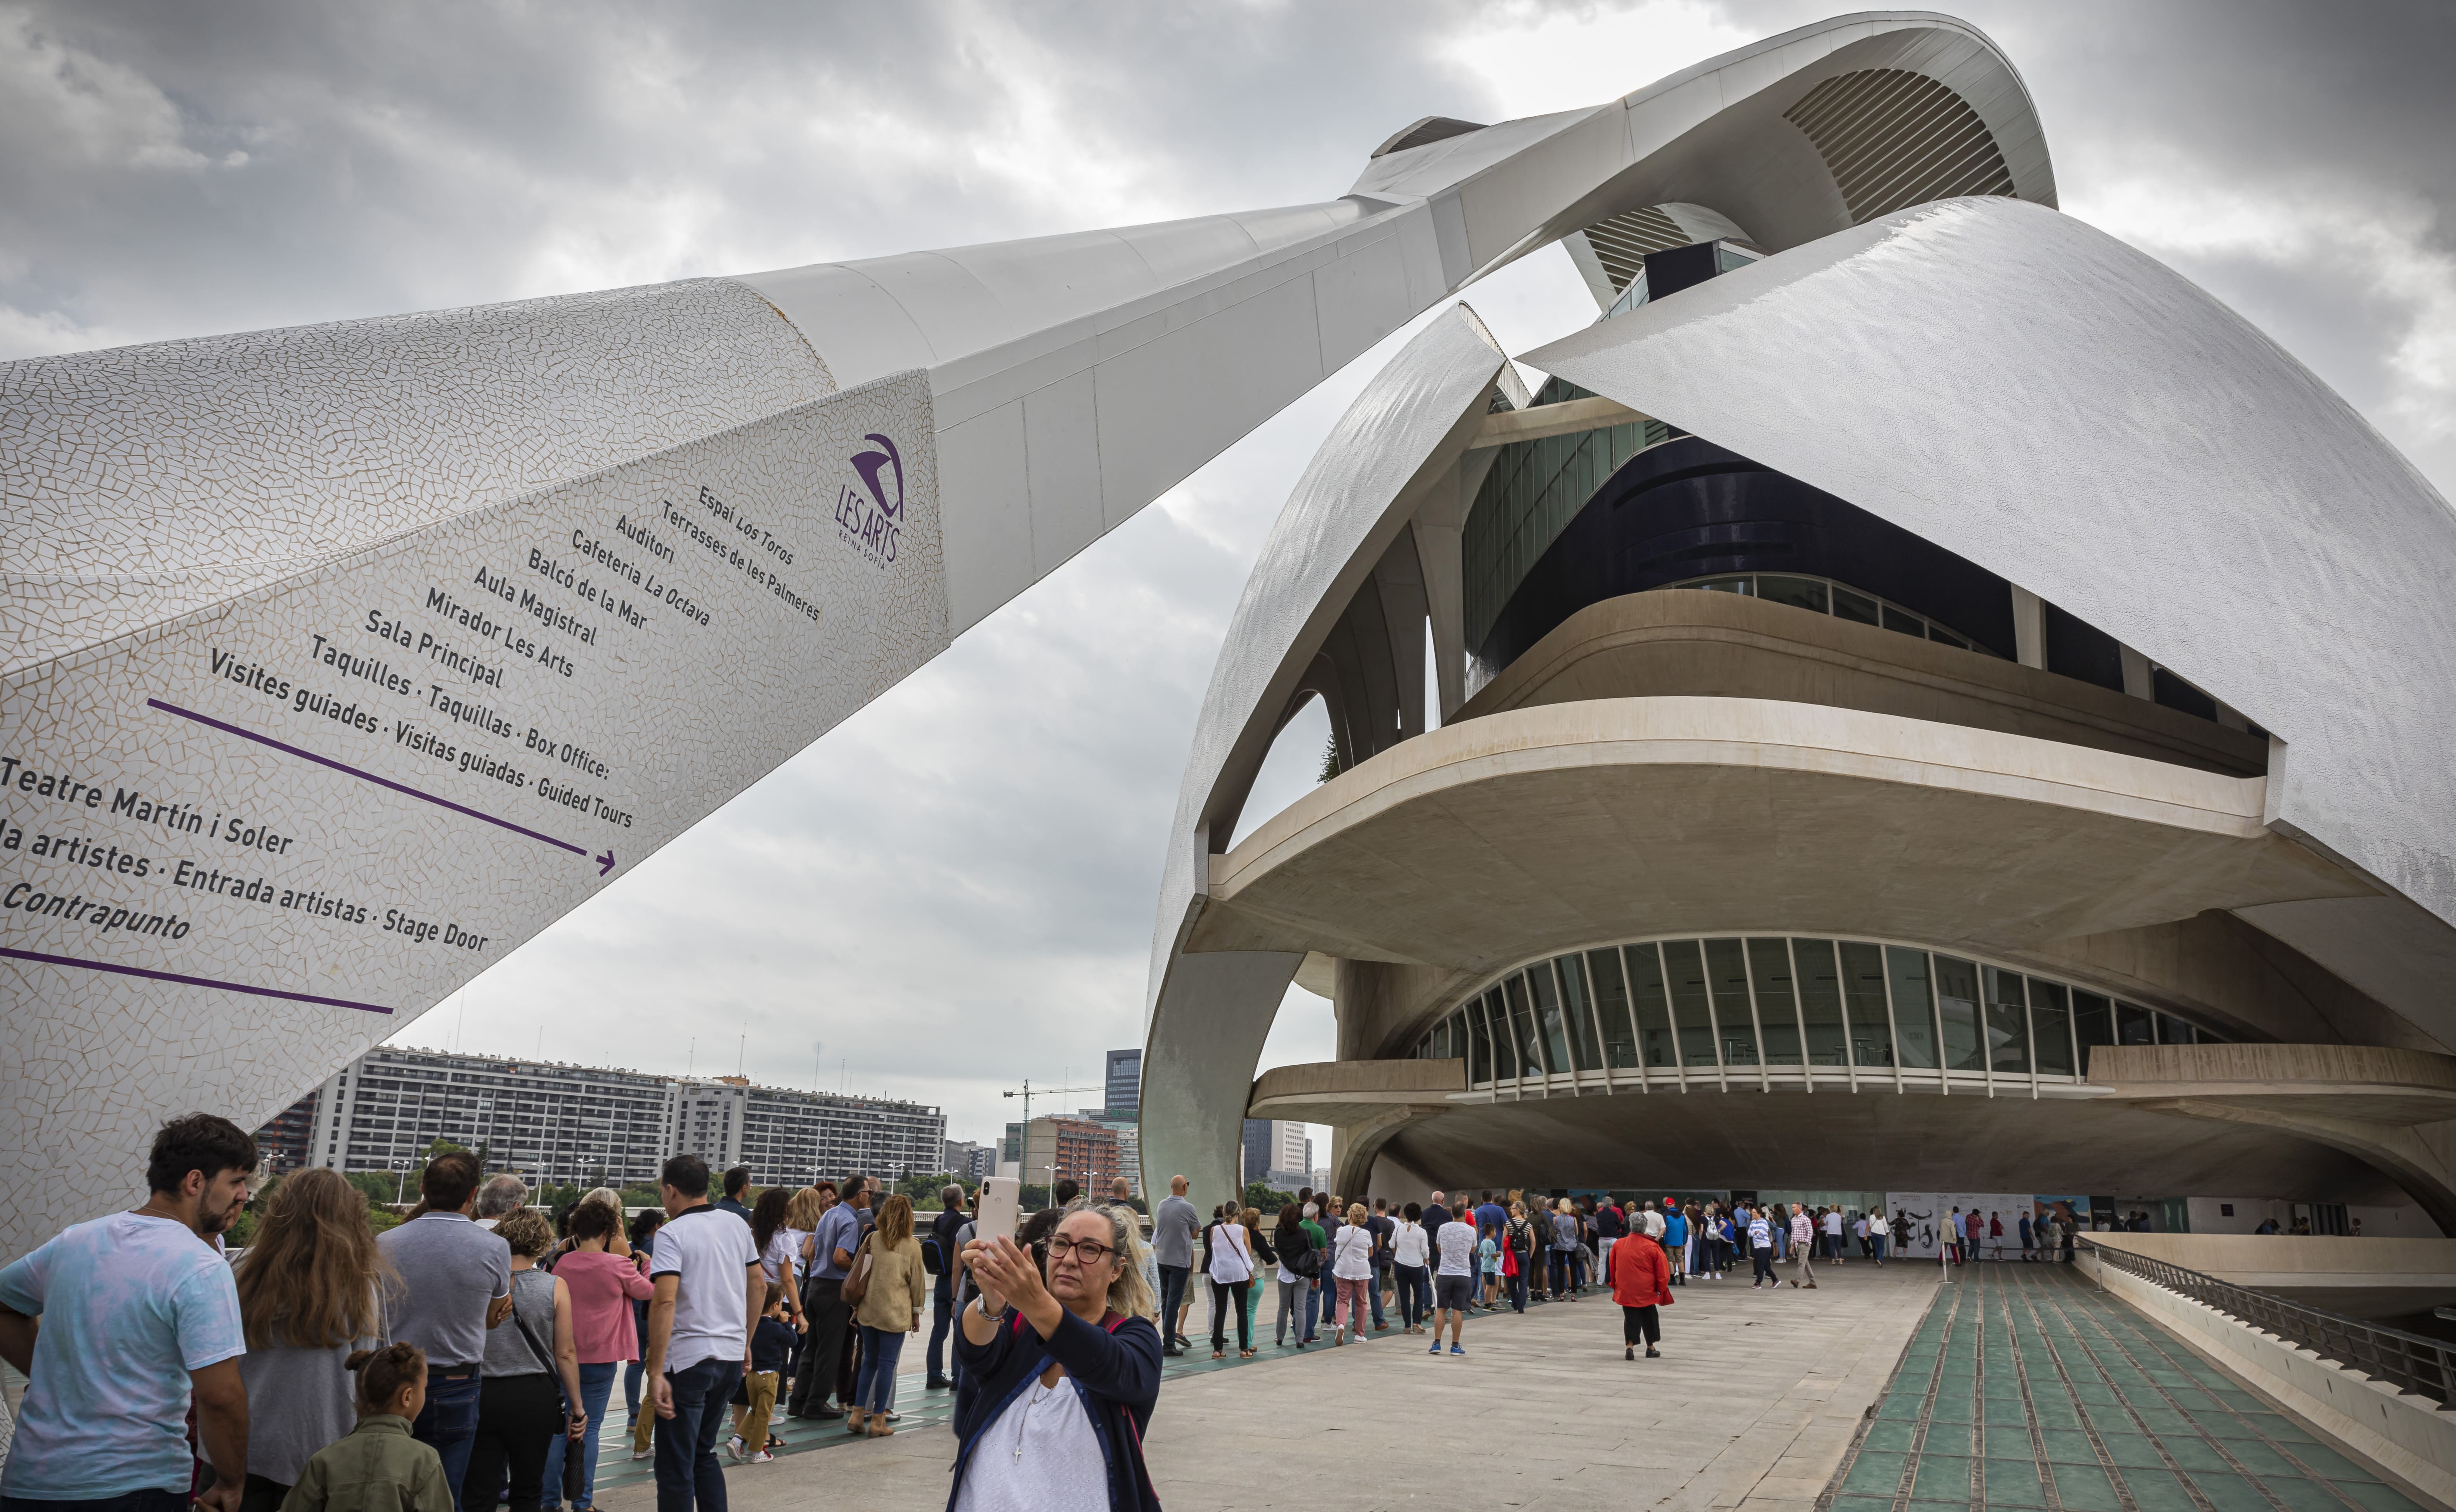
[
  {"x": 1174, "y": 1223},
  {"x": 457, "y": 1284}
]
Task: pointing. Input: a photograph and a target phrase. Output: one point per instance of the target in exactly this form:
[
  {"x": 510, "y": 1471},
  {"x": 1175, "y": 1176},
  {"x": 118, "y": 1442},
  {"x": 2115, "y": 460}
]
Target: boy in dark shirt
[{"x": 768, "y": 1347}]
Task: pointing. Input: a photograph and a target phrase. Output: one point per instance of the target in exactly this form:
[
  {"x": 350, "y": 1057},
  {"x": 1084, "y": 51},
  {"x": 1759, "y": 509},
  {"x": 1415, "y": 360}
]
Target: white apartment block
[{"x": 580, "y": 1124}]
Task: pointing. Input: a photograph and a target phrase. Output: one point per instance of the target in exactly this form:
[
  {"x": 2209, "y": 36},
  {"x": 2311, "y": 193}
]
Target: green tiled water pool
[{"x": 2026, "y": 1387}]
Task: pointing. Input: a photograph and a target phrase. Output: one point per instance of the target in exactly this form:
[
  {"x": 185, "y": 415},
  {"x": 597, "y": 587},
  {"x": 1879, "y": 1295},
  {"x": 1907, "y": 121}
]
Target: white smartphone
[{"x": 1001, "y": 1207}]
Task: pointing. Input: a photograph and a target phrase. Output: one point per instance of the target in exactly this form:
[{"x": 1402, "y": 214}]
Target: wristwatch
[{"x": 981, "y": 1304}]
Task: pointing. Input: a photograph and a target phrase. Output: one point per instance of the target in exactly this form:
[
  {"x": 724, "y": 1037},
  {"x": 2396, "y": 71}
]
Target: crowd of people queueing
[
  {"x": 1348, "y": 1265},
  {"x": 468, "y": 1354}
]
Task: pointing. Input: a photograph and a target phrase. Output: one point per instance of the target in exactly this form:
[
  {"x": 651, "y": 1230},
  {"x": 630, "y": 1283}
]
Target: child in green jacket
[{"x": 378, "y": 1467}]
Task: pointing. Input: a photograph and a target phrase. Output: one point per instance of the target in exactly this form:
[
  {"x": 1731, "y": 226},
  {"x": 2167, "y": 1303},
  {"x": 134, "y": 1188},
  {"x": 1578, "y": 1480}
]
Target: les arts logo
[{"x": 875, "y": 520}]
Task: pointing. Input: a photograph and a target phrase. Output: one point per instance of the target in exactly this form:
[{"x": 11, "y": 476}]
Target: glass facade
[
  {"x": 1534, "y": 489},
  {"x": 1770, "y": 1007}
]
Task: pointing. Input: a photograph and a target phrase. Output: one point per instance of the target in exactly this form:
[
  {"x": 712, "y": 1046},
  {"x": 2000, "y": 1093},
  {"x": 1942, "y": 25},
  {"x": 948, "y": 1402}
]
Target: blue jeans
[
  {"x": 1313, "y": 1308},
  {"x": 686, "y": 1465},
  {"x": 596, "y": 1387},
  {"x": 1172, "y": 1295},
  {"x": 875, "y": 1389},
  {"x": 1380, "y": 1280},
  {"x": 448, "y": 1424},
  {"x": 942, "y": 1317}
]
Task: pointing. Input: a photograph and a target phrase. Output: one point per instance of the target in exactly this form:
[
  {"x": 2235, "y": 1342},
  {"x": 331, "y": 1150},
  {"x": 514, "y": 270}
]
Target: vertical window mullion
[
  {"x": 1892, "y": 1025},
  {"x": 1756, "y": 1019},
  {"x": 1799, "y": 1011}
]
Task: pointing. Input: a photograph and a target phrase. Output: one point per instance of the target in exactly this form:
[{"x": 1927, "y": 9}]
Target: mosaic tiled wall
[{"x": 304, "y": 725}]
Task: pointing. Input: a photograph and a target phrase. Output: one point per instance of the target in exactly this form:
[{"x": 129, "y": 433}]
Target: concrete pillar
[{"x": 2029, "y": 628}]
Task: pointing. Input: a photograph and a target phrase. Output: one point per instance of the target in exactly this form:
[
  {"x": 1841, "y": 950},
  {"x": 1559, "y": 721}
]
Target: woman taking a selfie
[{"x": 1060, "y": 1372}]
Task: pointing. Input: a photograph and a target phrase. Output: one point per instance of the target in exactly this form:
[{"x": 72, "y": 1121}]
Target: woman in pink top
[{"x": 603, "y": 1281}]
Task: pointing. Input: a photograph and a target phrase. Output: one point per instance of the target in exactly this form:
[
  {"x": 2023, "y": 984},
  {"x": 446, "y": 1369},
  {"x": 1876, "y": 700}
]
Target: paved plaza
[{"x": 1756, "y": 1400}]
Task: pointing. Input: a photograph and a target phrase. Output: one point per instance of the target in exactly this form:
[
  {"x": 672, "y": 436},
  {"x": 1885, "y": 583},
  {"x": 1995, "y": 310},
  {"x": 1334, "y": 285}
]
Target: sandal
[
  {"x": 1219, "y": 1354},
  {"x": 1244, "y": 1354}
]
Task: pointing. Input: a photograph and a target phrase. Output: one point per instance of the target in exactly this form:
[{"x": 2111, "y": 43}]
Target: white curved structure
[
  {"x": 338, "y": 660},
  {"x": 2272, "y": 547},
  {"x": 1958, "y": 415}
]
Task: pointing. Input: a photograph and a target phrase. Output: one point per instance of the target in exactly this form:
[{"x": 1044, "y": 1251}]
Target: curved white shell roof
[{"x": 2064, "y": 410}]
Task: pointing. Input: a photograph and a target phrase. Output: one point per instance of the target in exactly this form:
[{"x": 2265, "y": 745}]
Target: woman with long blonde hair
[
  {"x": 311, "y": 1292},
  {"x": 888, "y": 1311}
]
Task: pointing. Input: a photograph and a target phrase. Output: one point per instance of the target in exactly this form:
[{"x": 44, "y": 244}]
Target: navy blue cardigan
[{"x": 1118, "y": 1370}]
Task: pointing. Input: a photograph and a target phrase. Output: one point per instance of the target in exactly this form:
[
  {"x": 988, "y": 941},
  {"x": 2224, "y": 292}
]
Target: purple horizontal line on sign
[
  {"x": 364, "y": 776},
  {"x": 192, "y": 981}
]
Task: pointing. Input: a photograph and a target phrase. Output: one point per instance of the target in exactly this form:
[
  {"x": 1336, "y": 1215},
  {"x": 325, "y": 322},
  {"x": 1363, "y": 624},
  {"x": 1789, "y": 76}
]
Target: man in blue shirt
[
  {"x": 1490, "y": 1216},
  {"x": 1675, "y": 1245},
  {"x": 838, "y": 1235},
  {"x": 139, "y": 1317}
]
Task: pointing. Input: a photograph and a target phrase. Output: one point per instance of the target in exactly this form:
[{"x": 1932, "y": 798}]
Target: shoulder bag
[
  {"x": 856, "y": 1281},
  {"x": 1306, "y": 1262}
]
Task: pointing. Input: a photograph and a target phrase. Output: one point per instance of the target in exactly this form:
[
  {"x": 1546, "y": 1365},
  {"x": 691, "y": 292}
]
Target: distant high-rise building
[
  {"x": 1275, "y": 1151},
  {"x": 578, "y": 1124},
  {"x": 968, "y": 1161},
  {"x": 1057, "y": 1146},
  {"x": 284, "y": 1142},
  {"x": 1125, "y": 1080}
]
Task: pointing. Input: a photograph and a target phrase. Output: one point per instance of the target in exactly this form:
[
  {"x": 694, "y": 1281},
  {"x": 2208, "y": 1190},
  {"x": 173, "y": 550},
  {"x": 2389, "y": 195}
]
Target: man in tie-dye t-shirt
[{"x": 138, "y": 1316}]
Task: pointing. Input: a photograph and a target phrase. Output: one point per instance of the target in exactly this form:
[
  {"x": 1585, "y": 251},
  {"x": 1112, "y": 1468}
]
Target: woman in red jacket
[{"x": 1640, "y": 1283}]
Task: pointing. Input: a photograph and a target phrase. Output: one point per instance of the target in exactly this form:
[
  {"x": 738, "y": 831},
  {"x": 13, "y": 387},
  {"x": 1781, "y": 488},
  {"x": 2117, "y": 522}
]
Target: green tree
[
  {"x": 382, "y": 1188},
  {"x": 924, "y": 1190},
  {"x": 1264, "y": 1198}
]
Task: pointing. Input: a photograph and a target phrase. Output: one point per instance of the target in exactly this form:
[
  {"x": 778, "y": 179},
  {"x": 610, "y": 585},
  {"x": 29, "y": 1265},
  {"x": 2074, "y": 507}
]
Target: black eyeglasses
[{"x": 1084, "y": 1251}]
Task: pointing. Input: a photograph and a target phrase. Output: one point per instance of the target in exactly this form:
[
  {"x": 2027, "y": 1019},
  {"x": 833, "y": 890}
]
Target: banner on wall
[{"x": 1919, "y": 1219}]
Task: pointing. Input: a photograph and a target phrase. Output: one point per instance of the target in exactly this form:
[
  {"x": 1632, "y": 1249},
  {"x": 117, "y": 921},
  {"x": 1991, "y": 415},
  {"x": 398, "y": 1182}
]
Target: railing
[{"x": 2427, "y": 1368}]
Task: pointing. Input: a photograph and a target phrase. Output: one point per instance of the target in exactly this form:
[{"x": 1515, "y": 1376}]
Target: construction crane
[
  {"x": 1025, "y": 1092},
  {"x": 1023, "y": 1141}
]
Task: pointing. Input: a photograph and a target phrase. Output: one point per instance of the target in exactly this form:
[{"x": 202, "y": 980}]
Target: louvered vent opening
[
  {"x": 1893, "y": 139},
  {"x": 1622, "y": 241}
]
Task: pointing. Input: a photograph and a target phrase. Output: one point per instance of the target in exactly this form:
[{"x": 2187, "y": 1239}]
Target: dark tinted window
[
  {"x": 1804, "y": 592},
  {"x": 2176, "y": 693},
  {"x": 2083, "y": 652}
]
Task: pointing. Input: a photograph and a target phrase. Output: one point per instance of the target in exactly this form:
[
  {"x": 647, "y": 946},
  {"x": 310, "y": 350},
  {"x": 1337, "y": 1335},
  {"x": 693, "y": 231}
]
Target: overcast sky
[{"x": 985, "y": 915}]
